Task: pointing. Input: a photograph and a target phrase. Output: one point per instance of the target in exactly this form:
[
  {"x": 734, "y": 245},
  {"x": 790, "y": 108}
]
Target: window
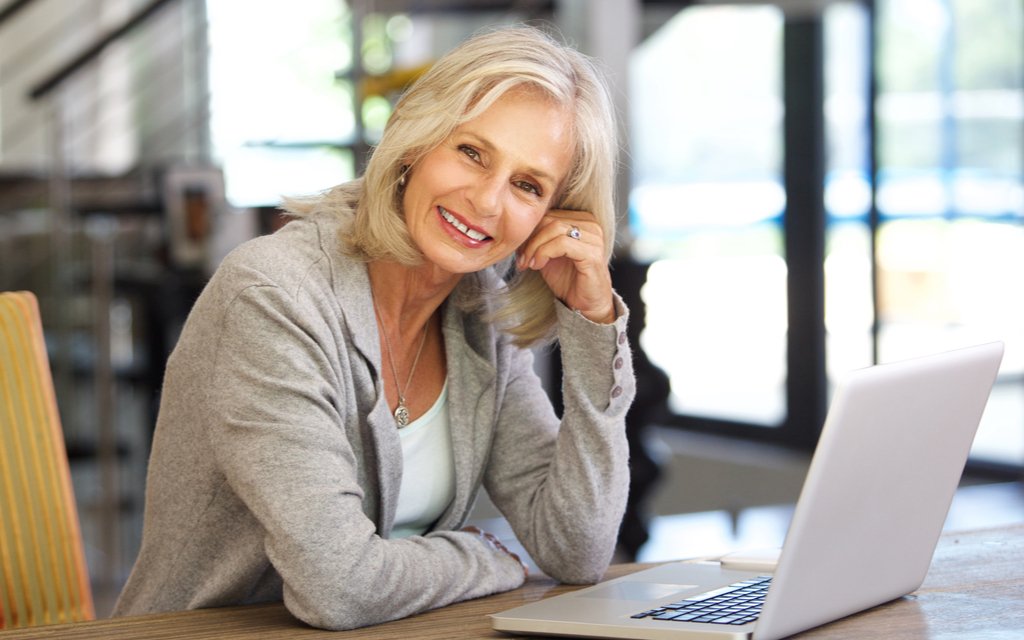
[
  {"x": 706, "y": 209},
  {"x": 923, "y": 197},
  {"x": 950, "y": 241},
  {"x": 281, "y": 109}
]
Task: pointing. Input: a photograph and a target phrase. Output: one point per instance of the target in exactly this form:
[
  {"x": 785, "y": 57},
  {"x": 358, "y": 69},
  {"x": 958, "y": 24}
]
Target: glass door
[
  {"x": 920, "y": 241},
  {"x": 706, "y": 209},
  {"x": 950, "y": 192}
]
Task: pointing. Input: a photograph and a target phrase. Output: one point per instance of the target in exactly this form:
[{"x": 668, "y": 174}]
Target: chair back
[{"x": 43, "y": 574}]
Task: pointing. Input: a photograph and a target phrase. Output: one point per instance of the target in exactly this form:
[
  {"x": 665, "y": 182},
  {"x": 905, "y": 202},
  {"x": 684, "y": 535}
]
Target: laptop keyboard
[{"x": 738, "y": 603}]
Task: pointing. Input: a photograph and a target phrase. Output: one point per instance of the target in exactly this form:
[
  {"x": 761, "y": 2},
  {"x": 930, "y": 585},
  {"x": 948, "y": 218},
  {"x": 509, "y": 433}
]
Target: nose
[{"x": 486, "y": 195}]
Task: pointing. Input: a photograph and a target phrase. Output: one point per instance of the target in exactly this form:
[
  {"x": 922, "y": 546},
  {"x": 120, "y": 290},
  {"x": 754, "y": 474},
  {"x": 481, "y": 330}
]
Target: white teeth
[{"x": 472, "y": 233}]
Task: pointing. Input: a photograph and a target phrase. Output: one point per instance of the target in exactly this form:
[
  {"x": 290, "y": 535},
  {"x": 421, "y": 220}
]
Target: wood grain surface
[{"x": 975, "y": 589}]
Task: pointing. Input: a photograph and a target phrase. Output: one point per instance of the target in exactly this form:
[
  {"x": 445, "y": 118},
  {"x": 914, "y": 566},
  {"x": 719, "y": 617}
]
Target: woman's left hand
[
  {"x": 496, "y": 544},
  {"x": 572, "y": 263}
]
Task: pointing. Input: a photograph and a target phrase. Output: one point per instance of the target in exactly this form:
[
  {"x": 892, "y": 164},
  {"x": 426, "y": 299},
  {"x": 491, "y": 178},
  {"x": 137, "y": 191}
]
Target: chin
[
  {"x": 454, "y": 261},
  {"x": 453, "y": 266}
]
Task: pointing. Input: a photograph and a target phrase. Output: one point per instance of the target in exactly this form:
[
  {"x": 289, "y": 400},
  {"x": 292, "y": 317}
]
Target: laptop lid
[{"x": 879, "y": 487}]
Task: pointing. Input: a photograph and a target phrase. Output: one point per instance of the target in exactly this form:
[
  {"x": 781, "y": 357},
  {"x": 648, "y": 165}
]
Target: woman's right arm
[{"x": 278, "y": 431}]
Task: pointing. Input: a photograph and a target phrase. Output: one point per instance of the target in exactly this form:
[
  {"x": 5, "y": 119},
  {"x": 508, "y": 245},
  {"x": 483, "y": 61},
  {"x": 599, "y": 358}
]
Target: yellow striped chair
[{"x": 43, "y": 575}]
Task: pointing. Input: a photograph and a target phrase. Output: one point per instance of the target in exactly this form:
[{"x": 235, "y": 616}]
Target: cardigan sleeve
[
  {"x": 277, "y": 427},
  {"x": 562, "y": 484}
]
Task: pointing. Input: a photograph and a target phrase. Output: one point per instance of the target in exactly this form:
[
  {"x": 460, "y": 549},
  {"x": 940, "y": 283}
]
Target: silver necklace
[{"x": 401, "y": 411}]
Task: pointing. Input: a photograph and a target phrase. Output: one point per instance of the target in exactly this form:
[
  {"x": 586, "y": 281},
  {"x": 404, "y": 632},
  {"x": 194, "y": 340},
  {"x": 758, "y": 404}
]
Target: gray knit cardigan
[{"x": 276, "y": 464}]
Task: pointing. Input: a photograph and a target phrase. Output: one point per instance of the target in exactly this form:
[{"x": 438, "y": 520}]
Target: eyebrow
[{"x": 533, "y": 171}]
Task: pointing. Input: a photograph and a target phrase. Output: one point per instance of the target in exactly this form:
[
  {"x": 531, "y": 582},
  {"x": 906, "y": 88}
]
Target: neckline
[{"x": 430, "y": 414}]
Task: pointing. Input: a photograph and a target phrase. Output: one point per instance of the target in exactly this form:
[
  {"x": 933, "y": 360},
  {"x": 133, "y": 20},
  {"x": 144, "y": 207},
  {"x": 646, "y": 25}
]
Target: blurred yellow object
[
  {"x": 43, "y": 574},
  {"x": 391, "y": 82}
]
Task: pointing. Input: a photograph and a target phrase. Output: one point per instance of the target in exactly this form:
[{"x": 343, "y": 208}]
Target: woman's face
[{"x": 474, "y": 199}]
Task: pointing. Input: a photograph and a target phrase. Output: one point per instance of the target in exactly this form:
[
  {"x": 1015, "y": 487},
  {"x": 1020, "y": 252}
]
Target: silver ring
[{"x": 574, "y": 233}]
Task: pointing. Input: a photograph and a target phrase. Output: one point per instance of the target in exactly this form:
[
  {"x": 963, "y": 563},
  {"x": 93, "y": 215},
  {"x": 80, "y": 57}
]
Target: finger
[
  {"x": 579, "y": 239},
  {"x": 497, "y": 545},
  {"x": 559, "y": 221},
  {"x": 558, "y": 243},
  {"x": 555, "y": 225},
  {"x": 570, "y": 214}
]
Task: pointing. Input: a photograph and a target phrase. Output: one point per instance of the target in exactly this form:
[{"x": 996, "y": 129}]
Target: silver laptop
[{"x": 864, "y": 530}]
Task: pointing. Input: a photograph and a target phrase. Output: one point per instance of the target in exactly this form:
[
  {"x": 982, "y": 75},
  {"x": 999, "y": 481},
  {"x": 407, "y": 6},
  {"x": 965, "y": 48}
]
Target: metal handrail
[
  {"x": 7, "y": 12},
  {"x": 58, "y": 77}
]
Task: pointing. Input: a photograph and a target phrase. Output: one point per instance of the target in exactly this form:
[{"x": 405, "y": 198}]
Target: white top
[{"x": 428, "y": 470}]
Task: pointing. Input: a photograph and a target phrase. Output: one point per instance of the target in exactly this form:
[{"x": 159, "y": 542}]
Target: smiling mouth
[{"x": 473, "y": 234}]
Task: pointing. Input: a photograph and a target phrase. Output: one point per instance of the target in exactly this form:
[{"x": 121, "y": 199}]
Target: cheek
[
  {"x": 416, "y": 199},
  {"x": 524, "y": 224}
]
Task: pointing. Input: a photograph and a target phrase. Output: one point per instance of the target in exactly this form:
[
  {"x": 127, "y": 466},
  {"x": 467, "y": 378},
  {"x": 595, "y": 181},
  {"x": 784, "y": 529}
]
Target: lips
[{"x": 473, "y": 234}]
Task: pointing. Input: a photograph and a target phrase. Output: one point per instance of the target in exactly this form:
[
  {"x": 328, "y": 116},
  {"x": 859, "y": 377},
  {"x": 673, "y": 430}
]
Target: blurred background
[{"x": 807, "y": 187}]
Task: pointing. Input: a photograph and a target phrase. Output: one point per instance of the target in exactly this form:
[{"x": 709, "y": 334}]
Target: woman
[{"x": 344, "y": 387}]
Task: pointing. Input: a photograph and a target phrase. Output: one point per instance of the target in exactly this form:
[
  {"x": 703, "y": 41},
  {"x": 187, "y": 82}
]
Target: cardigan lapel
[
  {"x": 355, "y": 301},
  {"x": 471, "y": 409}
]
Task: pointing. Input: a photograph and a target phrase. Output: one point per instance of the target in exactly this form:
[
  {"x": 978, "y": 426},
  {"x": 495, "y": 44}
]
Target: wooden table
[{"x": 975, "y": 589}]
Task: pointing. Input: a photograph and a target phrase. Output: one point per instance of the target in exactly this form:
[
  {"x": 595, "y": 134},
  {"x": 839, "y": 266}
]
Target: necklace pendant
[{"x": 401, "y": 415}]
